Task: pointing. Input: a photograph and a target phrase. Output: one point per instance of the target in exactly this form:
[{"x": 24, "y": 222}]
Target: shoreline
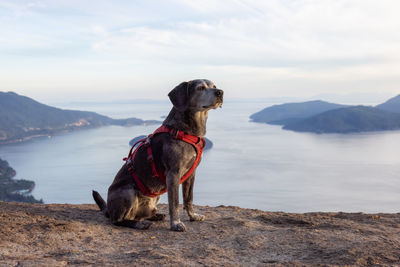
[
  {"x": 55, "y": 132},
  {"x": 26, "y": 139},
  {"x": 15, "y": 189}
]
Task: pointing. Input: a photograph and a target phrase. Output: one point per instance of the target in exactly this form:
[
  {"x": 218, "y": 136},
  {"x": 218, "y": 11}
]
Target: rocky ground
[{"x": 58, "y": 235}]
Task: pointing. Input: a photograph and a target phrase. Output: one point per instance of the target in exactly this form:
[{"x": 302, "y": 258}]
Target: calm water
[{"x": 251, "y": 165}]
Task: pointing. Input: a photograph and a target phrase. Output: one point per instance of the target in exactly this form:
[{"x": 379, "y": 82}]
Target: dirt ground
[{"x": 58, "y": 235}]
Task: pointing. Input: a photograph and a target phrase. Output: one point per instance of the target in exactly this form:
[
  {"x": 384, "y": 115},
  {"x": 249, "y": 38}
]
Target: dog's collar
[{"x": 181, "y": 135}]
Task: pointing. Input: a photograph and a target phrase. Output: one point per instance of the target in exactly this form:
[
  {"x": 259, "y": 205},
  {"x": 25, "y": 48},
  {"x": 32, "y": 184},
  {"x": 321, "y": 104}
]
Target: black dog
[{"x": 127, "y": 205}]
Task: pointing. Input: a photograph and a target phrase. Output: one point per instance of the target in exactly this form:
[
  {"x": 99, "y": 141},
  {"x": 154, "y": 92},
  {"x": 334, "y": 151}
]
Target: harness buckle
[
  {"x": 176, "y": 133},
  {"x": 179, "y": 134},
  {"x": 148, "y": 139},
  {"x": 198, "y": 140}
]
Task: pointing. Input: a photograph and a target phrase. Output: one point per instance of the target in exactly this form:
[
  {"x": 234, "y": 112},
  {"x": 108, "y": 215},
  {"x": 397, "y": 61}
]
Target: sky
[{"x": 107, "y": 50}]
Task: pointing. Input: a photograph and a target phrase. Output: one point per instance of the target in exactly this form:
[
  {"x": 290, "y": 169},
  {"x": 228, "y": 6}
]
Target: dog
[{"x": 127, "y": 205}]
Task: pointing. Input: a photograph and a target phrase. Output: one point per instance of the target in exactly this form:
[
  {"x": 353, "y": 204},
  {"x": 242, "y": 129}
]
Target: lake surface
[{"x": 251, "y": 165}]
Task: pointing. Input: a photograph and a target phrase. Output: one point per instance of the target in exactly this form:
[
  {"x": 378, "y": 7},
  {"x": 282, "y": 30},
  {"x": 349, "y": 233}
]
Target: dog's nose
[{"x": 219, "y": 93}]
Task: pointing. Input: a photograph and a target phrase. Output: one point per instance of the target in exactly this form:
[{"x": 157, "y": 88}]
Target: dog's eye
[{"x": 201, "y": 88}]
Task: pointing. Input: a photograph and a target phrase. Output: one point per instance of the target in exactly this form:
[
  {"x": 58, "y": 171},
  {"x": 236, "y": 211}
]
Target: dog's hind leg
[
  {"x": 123, "y": 206},
  {"x": 147, "y": 209},
  {"x": 153, "y": 207}
]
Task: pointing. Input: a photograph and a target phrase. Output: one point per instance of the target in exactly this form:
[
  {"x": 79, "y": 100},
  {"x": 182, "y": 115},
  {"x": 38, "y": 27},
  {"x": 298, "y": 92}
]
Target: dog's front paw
[
  {"x": 197, "y": 217},
  {"x": 178, "y": 226}
]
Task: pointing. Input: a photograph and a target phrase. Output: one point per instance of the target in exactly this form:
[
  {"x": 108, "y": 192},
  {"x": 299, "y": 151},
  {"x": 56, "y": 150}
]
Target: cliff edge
[{"x": 59, "y": 235}]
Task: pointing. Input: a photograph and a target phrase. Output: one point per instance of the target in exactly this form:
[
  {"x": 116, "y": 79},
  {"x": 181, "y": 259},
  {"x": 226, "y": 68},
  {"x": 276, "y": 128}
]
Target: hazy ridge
[
  {"x": 323, "y": 117},
  {"x": 23, "y": 118}
]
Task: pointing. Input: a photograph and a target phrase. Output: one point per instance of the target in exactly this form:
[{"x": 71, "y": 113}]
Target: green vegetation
[
  {"x": 14, "y": 190},
  {"x": 22, "y": 118}
]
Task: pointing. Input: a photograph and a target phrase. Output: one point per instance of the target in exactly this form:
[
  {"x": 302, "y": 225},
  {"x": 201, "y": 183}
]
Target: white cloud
[
  {"x": 282, "y": 34},
  {"x": 277, "y": 43}
]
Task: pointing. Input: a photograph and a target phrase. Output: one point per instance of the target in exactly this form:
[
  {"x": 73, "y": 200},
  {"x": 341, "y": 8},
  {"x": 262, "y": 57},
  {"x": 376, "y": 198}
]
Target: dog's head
[{"x": 198, "y": 95}]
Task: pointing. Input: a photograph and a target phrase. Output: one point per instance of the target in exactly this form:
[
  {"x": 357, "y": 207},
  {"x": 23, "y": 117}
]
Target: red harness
[{"x": 197, "y": 142}]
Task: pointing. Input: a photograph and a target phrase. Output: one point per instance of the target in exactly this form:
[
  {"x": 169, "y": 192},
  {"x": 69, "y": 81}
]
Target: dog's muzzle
[{"x": 219, "y": 95}]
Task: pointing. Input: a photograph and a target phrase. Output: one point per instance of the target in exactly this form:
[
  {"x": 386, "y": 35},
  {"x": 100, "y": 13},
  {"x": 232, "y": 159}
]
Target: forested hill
[
  {"x": 14, "y": 190},
  {"x": 348, "y": 120},
  {"x": 290, "y": 112},
  {"x": 22, "y": 118},
  {"x": 392, "y": 105},
  {"x": 324, "y": 117}
]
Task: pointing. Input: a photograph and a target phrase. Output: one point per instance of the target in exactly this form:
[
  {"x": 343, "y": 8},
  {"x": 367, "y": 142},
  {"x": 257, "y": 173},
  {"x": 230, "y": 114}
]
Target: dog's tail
[{"x": 101, "y": 203}]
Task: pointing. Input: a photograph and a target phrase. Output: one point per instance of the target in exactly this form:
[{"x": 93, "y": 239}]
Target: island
[
  {"x": 348, "y": 120},
  {"x": 292, "y": 112},
  {"x": 14, "y": 190},
  {"x": 22, "y": 118},
  {"x": 323, "y": 117},
  {"x": 392, "y": 105}
]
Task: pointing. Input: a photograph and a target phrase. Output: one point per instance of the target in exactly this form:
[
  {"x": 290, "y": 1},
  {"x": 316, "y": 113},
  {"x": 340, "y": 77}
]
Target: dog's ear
[{"x": 179, "y": 96}]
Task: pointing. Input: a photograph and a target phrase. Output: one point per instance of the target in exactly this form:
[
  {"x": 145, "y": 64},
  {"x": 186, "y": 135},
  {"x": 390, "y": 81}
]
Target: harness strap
[
  {"x": 197, "y": 142},
  {"x": 142, "y": 187},
  {"x": 132, "y": 155}
]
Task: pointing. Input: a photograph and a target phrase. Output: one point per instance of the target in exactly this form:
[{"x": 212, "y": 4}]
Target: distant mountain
[
  {"x": 392, "y": 105},
  {"x": 22, "y": 118},
  {"x": 348, "y": 120},
  {"x": 324, "y": 117},
  {"x": 292, "y": 112}
]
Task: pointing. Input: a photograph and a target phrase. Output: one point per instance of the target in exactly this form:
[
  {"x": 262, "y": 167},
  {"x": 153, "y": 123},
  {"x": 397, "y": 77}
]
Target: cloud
[
  {"x": 298, "y": 32},
  {"x": 276, "y": 43}
]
